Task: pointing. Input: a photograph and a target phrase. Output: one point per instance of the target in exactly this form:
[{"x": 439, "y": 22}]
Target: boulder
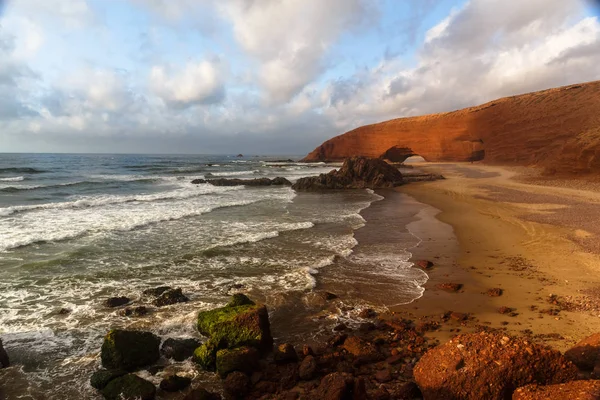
[
  {"x": 171, "y": 296},
  {"x": 174, "y": 383},
  {"x": 244, "y": 325},
  {"x": 279, "y": 181},
  {"x": 157, "y": 291},
  {"x": 361, "y": 348},
  {"x": 206, "y": 355},
  {"x": 112, "y": 302},
  {"x": 285, "y": 353},
  {"x": 449, "y": 286},
  {"x": 355, "y": 173},
  {"x": 236, "y": 385},
  {"x": 129, "y": 387},
  {"x": 125, "y": 349},
  {"x": 308, "y": 368},
  {"x": 586, "y": 353},
  {"x": 488, "y": 366},
  {"x": 243, "y": 359},
  {"x": 576, "y": 390},
  {"x": 240, "y": 299},
  {"x": 424, "y": 264},
  {"x": 180, "y": 349},
  {"x": 340, "y": 386},
  {"x": 100, "y": 378},
  {"x": 138, "y": 311},
  {"x": 4, "y": 361}
]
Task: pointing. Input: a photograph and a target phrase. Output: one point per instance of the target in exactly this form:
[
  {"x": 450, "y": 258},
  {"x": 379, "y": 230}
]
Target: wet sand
[{"x": 529, "y": 238}]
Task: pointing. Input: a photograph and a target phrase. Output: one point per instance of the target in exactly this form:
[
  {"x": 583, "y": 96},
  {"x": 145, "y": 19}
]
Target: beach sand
[{"x": 517, "y": 231}]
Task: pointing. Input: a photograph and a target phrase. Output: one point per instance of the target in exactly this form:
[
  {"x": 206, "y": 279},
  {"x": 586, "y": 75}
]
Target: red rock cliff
[{"x": 558, "y": 129}]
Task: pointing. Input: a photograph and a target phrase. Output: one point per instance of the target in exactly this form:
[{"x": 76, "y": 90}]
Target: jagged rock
[
  {"x": 124, "y": 349},
  {"x": 279, "y": 181},
  {"x": 495, "y": 292},
  {"x": 236, "y": 385},
  {"x": 157, "y": 291},
  {"x": 244, "y": 325},
  {"x": 174, "y": 383},
  {"x": 586, "y": 353},
  {"x": 340, "y": 386},
  {"x": 180, "y": 349},
  {"x": 171, "y": 296},
  {"x": 138, "y": 311},
  {"x": 308, "y": 368},
  {"x": 488, "y": 366},
  {"x": 361, "y": 348},
  {"x": 576, "y": 390},
  {"x": 355, "y": 173},
  {"x": 112, "y": 302},
  {"x": 201, "y": 394},
  {"x": 4, "y": 360},
  {"x": 101, "y": 378},
  {"x": 244, "y": 359},
  {"x": 129, "y": 387},
  {"x": 285, "y": 353}
]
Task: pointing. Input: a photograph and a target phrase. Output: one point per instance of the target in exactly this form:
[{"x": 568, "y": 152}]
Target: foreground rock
[
  {"x": 128, "y": 350},
  {"x": 113, "y": 302},
  {"x": 576, "y": 390},
  {"x": 170, "y": 296},
  {"x": 101, "y": 378},
  {"x": 279, "y": 181},
  {"x": 129, "y": 387},
  {"x": 180, "y": 349},
  {"x": 4, "y": 361},
  {"x": 174, "y": 383},
  {"x": 355, "y": 173},
  {"x": 586, "y": 353},
  {"x": 488, "y": 366}
]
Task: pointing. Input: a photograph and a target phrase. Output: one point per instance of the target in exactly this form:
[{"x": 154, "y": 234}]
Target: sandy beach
[{"x": 508, "y": 228}]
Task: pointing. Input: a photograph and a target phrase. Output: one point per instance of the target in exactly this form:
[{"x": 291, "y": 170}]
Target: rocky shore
[{"x": 384, "y": 358}]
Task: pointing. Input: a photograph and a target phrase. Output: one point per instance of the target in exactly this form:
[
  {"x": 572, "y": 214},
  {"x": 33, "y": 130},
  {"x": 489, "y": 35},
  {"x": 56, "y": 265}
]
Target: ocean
[{"x": 77, "y": 229}]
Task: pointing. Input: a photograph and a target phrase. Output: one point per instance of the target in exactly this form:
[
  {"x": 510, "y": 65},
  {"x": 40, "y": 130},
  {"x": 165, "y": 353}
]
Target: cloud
[
  {"x": 196, "y": 83},
  {"x": 72, "y": 14},
  {"x": 291, "y": 39}
]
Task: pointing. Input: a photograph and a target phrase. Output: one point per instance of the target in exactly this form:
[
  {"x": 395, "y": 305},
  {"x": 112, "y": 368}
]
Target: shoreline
[{"x": 498, "y": 247}]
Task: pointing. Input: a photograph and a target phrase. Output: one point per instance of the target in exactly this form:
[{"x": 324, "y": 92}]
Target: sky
[{"x": 269, "y": 76}]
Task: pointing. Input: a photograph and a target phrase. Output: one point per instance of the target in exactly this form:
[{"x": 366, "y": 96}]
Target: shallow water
[{"x": 77, "y": 229}]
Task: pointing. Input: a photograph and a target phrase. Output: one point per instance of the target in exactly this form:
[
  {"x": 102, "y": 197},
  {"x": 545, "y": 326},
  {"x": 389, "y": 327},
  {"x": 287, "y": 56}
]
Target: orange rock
[{"x": 558, "y": 129}]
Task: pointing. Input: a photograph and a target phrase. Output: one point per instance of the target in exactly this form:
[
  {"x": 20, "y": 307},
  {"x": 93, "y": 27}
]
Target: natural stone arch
[{"x": 397, "y": 154}]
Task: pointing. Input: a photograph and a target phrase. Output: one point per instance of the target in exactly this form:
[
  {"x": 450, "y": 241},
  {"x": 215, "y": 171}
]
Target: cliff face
[{"x": 558, "y": 129}]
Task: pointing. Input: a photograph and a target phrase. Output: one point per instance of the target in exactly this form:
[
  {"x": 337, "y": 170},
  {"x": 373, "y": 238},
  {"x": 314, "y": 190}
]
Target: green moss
[
  {"x": 129, "y": 387},
  {"x": 244, "y": 359},
  {"x": 205, "y": 356},
  {"x": 129, "y": 350},
  {"x": 209, "y": 321}
]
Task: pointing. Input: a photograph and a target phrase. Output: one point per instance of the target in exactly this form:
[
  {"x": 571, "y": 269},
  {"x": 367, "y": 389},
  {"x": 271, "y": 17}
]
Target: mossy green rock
[
  {"x": 129, "y": 387},
  {"x": 206, "y": 355},
  {"x": 123, "y": 349},
  {"x": 236, "y": 326},
  {"x": 243, "y": 359},
  {"x": 102, "y": 377}
]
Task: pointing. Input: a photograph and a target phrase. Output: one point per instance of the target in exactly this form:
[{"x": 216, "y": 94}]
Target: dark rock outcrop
[
  {"x": 576, "y": 390},
  {"x": 129, "y": 387},
  {"x": 243, "y": 359},
  {"x": 101, "y": 378},
  {"x": 112, "y": 302},
  {"x": 279, "y": 181},
  {"x": 157, "y": 291},
  {"x": 4, "y": 360},
  {"x": 125, "y": 349},
  {"x": 138, "y": 311},
  {"x": 355, "y": 173},
  {"x": 174, "y": 383},
  {"x": 341, "y": 386},
  {"x": 201, "y": 394},
  {"x": 488, "y": 366},
  {"x": 179, "y": 349},
  {"x": 586, "y": 353},
  {"x": 285, "y": 353},
  {"x": 171, "y": 296},
  {"x": 236, "y": 385}
]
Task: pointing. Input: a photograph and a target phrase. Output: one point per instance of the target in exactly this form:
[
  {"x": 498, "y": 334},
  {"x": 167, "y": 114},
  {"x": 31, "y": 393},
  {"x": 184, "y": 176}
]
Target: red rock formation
[{"x": 558, "y": 129}]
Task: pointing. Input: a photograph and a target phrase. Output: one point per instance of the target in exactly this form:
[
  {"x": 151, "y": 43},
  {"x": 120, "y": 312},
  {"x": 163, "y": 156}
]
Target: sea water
[{"x": 78, "y": 229}]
